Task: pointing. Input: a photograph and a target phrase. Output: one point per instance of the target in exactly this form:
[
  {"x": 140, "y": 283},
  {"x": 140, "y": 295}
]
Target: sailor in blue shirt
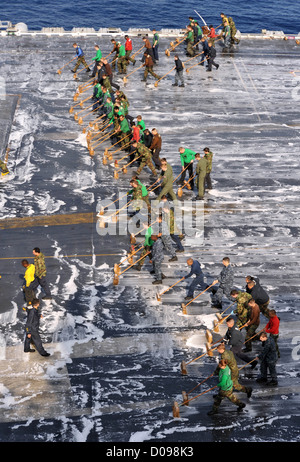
[
  {"x": 80, "y": 58},
  {"x": 197, "y": 280}
]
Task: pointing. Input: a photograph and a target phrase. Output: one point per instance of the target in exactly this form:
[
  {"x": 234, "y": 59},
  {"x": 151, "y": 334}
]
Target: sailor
[
  {"x": 235, "y": 339},
  {"x": 155, "y": 44},
  {"x": 116, "y": 51},
  {"x": 30, "y": 281},
  {"x": 227, "y": 35},
  {"x": 169, "y": 217},
  {"x": 252, "y": 324},
  {"x": 155, "y": 147},
  {"x": 32, "y": 329},
  {"x": 148, "y": 243},
  {"x": 80, "y": 59},
  {"x": 187, "y": 157},
  {"x": 201, "y": 174},
  {"x": 179, "y": 66},
  {"x": 225, "y": 281},
  {"x": 146, "y": 157},
  {"x": 225, "y": 389},
  {"x": 97, "y": 59},
  {"x": 198, "y": 280},
  {"x": 128, "y": 50},
  {"x": 149, "y": 50},
  {"x": 211, "y": 57},
  {"x": 149, "y": 63},
  {"x": 241, "y": 311},
  {"x": 157, "y": 258},
  {"x": 233, "y": 31},
  {"x": 3, "y": 168},
  {"x": 122, "y": 61},
  {"x": 167, "y": 181},
  {"x": 272, "y": 328},
  {"x": 268, "y": 358},
  {"x": 209, "y": 157},
  {"x": 164, "y": 234},
  {"x": 190, "y": 41},
  {"x": 260, "y": 296},
  {"x": 139, "y": 193},
  {"x": 205, "y": 50},
  {"x": 212, "y": 35},
  {"x": 231, "y": 361},
  {"x": 41, "y": 272}
]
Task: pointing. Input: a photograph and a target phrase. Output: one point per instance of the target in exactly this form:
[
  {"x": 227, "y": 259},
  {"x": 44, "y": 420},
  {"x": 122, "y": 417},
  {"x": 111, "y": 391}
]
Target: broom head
[
  {"x": 116, "y": 175},
  {"x": 117, "y": 270},
  {"x": 185, "y": 398},
  {"x": 158, "y": 297},
  {"x": 179, "y": 192},
  {"x": 209, "y": 336},
  {"x": 104, "y": 160},
  {"x": 208, "y": 349},
  {"x": 124, "y": 169},
  {"x": 116, "y": 281},
  {"x": 183, "y": 368},
  {"x": 176, "y": 413},
  {"x": 132, "y": 239}
]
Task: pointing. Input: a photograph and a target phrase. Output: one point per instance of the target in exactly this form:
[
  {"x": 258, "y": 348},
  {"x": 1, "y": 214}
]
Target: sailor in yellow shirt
[{"x": 30, "y": 283}]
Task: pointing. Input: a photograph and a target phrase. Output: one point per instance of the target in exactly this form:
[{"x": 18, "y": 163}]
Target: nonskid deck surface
[{"x": 114, "y": 369}]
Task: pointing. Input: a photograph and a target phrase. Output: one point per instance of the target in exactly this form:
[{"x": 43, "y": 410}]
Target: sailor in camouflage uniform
[
  {"x": 225, "y": 388},
  {"x": 146, "y": 159},
  {"x": 228, "y": 355},
  {"x": 233, "y": 31},
  {"x": 242, "y": 309},
  {"x": 225, "y": 281},
  {"x": 157, "y": 258},
  {"x": 138, "y": 197},
  {"x": 163, "y": 231}
]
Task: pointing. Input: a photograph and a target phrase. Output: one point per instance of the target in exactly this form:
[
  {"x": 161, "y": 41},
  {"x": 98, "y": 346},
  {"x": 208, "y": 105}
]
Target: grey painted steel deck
[{"x": 114, "y": 369}]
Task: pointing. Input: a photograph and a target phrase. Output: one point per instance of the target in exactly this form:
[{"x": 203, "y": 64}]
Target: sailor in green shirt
[
  {"x": 122, "y": 62},
  {"x": 190, "y": 41},
  {"x": 124, "y": 132},
  {"x": 225, "y": 389},
  {"x": 155, "y": 44},
  {"x": 187, "y": 157},
  {"x": 148, "y": 243},
  {"x": 96, "y": 59}
]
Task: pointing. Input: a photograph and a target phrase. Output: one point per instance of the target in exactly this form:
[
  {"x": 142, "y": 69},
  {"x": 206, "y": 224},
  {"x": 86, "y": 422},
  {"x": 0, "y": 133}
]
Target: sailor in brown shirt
[
  {"x": 149, "y": 67},
  {"x": 156, "y": 147},
  {"x": 252, "y": 323}
]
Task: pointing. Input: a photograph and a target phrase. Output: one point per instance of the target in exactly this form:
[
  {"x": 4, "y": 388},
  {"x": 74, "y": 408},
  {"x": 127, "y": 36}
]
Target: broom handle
[
  {"x": 135, "y": 70},
  {"x": 124, "y": 157},
  {"x": 174, "y": 46},
  {"x": 165, "y": 74},
  {"x": 170, "y": 287},
  {"x": 67, "y": 64},
  {"x": 134, "y": 263},
  {"x": 180, "y": 173},
  {"x": 196, "y": 64},
  {"x": 200, "y": 294},
  {"x": 140, "y": 49},
  {"x": 130, "y": 162},
  {"x": 133, "y": 253},
  {"x": 254, "y": 359},
  {"x": 200, "y": 383},
  {"x": 197, "y": 396}
]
